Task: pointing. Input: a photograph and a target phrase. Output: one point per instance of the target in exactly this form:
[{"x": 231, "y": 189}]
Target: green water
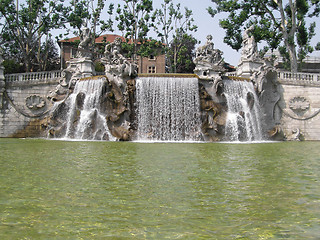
[{"x": 118, "y": 190}]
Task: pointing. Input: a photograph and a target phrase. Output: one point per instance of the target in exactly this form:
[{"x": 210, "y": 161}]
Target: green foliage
[
  {"x": 26, "y": 25},
  {"x": 151, "y": 47},
  {"x": 173, "y": 25},
  {"x": 134, "y": 20},
  {"x": 99, "y": 67},
  {"x": 11, "y": 66},
  {"x": 145, "y": 49},
  {"x": 277, "y": 23},
  {"x": 169, "y": 19},
  {"x": 78, "y": 13},
  {"x": 181, "y": 52}
]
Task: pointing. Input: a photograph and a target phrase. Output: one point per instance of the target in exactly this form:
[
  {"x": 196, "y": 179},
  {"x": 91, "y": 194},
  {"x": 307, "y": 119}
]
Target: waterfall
[
  {"x": 244, "y": 117},
  {"x": 84, "y": 118},
  {"x": 168, "y": 109}
]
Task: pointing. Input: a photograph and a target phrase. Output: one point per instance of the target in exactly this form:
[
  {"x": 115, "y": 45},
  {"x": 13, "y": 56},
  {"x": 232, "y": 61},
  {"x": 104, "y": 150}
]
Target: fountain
[
  {"x": 85, "y": 119},
  {"x": 168, "y": 109},
  {"x": 244, "y": 117},
  {"x": 210, "y": 105}
]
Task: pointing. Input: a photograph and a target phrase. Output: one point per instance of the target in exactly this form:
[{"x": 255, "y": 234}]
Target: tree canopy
[
  {"x": 281, "y": 24},
  {"x": 26, "y": 29},
  {"x": 134, "y": 20},
  {"x": 25, "y": 26},
  {"x": 181, "y": 53},
  {"x": 174, "y": 28}
]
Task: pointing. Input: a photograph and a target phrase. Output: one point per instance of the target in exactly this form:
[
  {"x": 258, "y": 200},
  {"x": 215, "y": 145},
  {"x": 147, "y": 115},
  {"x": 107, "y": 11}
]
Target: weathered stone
[{"x": 209, "y": 62}]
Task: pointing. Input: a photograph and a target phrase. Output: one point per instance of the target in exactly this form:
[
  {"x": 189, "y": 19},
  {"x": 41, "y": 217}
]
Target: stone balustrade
[
  {"x": 33, "y": 76},
  {"x": 299, "y": 78}
]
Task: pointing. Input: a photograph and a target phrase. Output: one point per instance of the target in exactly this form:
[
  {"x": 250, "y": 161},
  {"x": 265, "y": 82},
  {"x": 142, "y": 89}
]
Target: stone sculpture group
[{"x": 118, "y": 94}]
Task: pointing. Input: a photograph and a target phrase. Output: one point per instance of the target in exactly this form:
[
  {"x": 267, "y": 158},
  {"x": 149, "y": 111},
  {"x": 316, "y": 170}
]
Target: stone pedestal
[
  {"x": 208, "y": 73},
  {"x": 81, "y": 67},
  {"x": 246, "y": 68}
]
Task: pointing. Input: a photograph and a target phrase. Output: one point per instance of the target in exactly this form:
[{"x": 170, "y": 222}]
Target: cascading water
[
  {"x": 244, "y": 118},
  {"x": 168, "y": 109},
  {"x": 85, "y": 120}
]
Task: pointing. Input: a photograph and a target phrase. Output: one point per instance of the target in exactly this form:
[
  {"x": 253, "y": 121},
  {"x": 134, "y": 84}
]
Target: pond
[{"x": 125, "y": 190}]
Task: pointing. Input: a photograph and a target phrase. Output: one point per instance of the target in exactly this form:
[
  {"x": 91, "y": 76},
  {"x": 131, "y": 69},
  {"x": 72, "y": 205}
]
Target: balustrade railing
[
  {"x": 299, "y": 77},
  {"x": 52, "y": 75},
  {"x": 33, "y": 76}
]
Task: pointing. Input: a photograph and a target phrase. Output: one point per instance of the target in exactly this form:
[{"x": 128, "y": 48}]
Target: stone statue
[
  {"x": 84, "y": 45},
  {"x": 249, "y": 45},
  {"x": 117, "y": 67},
  {"x": 65, "y": 84},
  {"x": 209, "y": 62},
  {"x": 207, "y": 53},
  {"x": 113, "y": 52}
]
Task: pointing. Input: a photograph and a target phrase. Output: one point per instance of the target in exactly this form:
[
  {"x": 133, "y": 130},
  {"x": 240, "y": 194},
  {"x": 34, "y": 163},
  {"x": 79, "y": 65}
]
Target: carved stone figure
[
  {"x": 249, "y": 45},
  {"x": 84, "y": 45},
  {"x": 65, "y": 84},
  {"x": 213, "y": 115},
  {"x": 207, "y": 54},
  {"x": 117, "y": 67},
  {"x": 295, "y": 135},
  {"x": 208, "y": 60}
]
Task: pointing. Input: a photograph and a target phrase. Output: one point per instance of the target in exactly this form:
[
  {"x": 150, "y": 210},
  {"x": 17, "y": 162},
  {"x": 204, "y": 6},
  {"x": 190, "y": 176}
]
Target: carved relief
[
  {"x": 299, "y": 104},
  {"x": 35, "y": 102}
]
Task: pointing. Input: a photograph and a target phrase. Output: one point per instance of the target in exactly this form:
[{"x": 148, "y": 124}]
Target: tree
[
  {"x": 135, "y": 21},
  {"x": 181, "y": 53},
  {"x": 49, "y": 56},
  {"x": 170, "y": 19},
  {"x": 171, "y": 25},
  {"x": 84, "y": 12},
  {"x": 281, "y": 24},
  {"x": 26, "y": 25},
  {"x": 150, "y": 47}
]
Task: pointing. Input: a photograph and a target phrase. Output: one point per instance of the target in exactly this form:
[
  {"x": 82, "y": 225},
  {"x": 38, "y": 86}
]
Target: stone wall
[
  {"x": 299, "y": 105},
  {"x": 25, "y": 104}
]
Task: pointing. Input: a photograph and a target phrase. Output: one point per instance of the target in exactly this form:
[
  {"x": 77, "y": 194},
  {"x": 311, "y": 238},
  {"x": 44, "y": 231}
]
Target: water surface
[{"x": 126, "y": 190}]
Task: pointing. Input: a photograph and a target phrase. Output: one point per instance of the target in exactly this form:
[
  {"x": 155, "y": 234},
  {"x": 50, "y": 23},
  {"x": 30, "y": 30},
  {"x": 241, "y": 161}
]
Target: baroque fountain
[
  {"x": 210, "y": 105},
  {"x": 122, "y": 105}
]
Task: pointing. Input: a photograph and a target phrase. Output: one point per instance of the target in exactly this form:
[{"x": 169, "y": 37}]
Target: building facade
[{"x": 151, "y": 64}]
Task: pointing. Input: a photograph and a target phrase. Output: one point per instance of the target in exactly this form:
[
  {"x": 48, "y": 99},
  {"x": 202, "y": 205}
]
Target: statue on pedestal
[
  {"x": 209, "y": 61},
  {"x": 84, "y": 45},
  {"x": 249, "y": 46},
  {"x": 117, "y": 67}
]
